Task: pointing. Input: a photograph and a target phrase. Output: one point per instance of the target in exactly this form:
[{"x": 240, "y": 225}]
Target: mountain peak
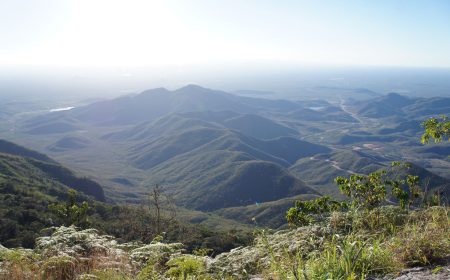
[
  {"x": 192, "y": 88},
  {"x": 396, "y": 95},
  {"x": 155, "y": 90},
  {"x": 396, "y": 99}
]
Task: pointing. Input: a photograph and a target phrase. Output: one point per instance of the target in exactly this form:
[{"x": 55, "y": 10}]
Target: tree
[
  {"x": 155, "y": 200},
  {"x": 70, "y": 213},
  {"x": 405, "y": 187},
  {"x": 437, "y": 129},
  {"x": 365, "y": 191},
  {"x": 307, "y": 212},
  {"x": 369, "y": 191},
  {"x": 161, "y": 202}
]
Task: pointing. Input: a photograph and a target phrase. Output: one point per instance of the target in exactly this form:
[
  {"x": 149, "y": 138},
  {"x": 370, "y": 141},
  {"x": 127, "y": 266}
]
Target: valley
[{"x": 236, "y": 156}]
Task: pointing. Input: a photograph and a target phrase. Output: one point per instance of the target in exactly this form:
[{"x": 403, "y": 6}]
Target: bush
[
  {"x": 155, "y": 254},
  {"x": 382, "y": 220},
  {"x": 425, "y": 239},
  {"x": 59, "y": 267},
  {"x": 186, "y": 267},
  {"x": 18, "y": 263},
  {"x": 351, "y": 258}
]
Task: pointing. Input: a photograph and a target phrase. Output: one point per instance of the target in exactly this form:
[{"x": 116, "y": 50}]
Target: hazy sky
[{"x": 152, "y": 33}]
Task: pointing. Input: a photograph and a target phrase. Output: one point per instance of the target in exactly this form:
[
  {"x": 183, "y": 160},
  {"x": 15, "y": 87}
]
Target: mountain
[
  {"x": 441, "y": 150},
  {"x": 319, "y": 171},
  {"x": 50, "y": 123},
  {"x": 258, "y": 127},
  {"x": 402, "y": 126},
  {"x": 21, "y": 162},
  {"x": 209, "y": 147},
  {"x": 69, "y": 143},
  {"x": 394, "y": 104},
  {"x": 270, "y": 214},
  {"x": 232, "y": 179},
  {"x": 157, "y": 148},
  {"x": 328, "y": 113},
  {"x": 158, "y": 136},
  {"x": 155, "y": 103},
  {"x": 29, "y": 183},
  {"x": 251, "y": 125},
  {"x": 193, "y": 156},
  {"x": 383, "y": 106},
  {"x": 431, "y": 182},
  {"x": 192, "y": 153},
  {"x": 10, "y": 148},
  {"x": 429, "y": 106},
  {"x": 198, "y": 160}
]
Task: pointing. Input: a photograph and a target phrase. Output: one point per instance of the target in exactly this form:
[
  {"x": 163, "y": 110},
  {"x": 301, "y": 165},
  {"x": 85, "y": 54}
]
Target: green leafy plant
[
  {"x": 308, "y": 212},
  {"x": 365, "y": 191},
  {"x": 186, "y": 267},
  {"x": 369, "y": 191},
  {"x": 405, "y": 187},
  {"x": 437, "y": 129},
  {"x": 351, "y": 257},
  {"x": 70, "y": 213}
]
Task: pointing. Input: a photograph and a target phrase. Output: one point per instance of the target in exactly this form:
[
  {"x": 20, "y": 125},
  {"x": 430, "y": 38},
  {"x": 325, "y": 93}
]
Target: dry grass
[
  {"x": 351, "y": 247},
  {"x": 425, "y": 240}
]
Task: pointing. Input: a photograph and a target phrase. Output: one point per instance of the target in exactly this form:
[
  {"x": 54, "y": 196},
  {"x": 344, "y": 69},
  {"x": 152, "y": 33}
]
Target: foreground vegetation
[{"x": 346, "y": 245}]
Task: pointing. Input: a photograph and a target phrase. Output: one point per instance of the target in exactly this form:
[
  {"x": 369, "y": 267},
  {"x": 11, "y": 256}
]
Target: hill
[
  {"x": 155, "y": 103},
  {"x": 28, "y": 185},
  {"x": 69, "y": 143},
  {"x": 195, "y": 141},
  {"x": 394, "y": 104},
  {"x": 383, "y": 106},
  {"x": 217, "y": 179},
  {"x": 194, "y": 153},
  {"x": 21, "y": 162},
  {"x": 319, "y": 171},
  {"x": 29, "y": 182},
  {"x": 10, "y": 148},
  {"x": 270, "y": 214}
]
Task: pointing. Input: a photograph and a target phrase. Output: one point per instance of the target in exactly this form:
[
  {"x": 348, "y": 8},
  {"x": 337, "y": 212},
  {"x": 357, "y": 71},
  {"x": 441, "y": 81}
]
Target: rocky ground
[{"x": 423, "y": 273}]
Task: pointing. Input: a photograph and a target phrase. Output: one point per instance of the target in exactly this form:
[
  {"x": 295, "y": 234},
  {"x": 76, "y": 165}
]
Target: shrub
[
  {"x": 18, "y": 264},
  {"x": 186, "y": 267},
  {"x": 74, "y": 242},
  {"x": 312, "y": 211},
  {"x": 59, "y": 267},
  {"x": 155, "y": 254},
  {"x": 382, "y": 220},
  {"x": 351, "y": 258},
  {"x": 109, "y": 274},
  {"x": 148, "y": 273},
  {"x": 425, "y": 239}
]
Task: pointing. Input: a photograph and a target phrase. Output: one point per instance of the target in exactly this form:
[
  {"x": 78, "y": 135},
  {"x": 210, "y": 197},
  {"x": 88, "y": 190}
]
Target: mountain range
[{"x": 234, "y": 155}]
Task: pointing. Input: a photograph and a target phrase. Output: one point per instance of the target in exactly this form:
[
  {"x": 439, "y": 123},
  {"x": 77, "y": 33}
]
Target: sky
[{"x": 212, "y": 32}]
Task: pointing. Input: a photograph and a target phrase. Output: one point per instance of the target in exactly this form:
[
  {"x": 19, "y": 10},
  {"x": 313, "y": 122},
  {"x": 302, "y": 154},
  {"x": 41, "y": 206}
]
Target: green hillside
[
  {"x": 211, "y": 149},
  {"x": 266, "y": 214},
  {"x": 27, "y": 187}
]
